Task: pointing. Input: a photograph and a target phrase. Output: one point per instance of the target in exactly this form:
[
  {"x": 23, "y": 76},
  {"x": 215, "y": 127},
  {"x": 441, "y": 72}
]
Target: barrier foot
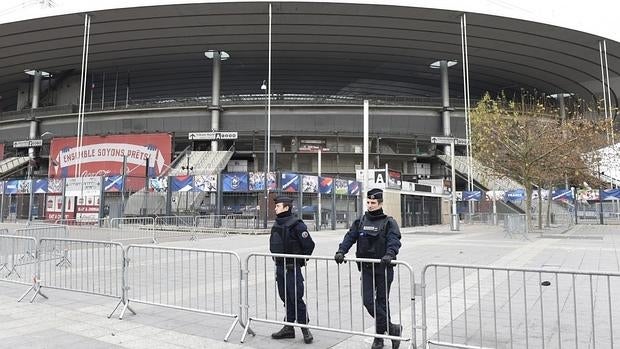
[
  {"x": 26, "y": 293},
  {"x": 125, "y": 308},
  {"x": 246, "y": 330},
  {"x": 116, "y": 307},
  {"x": 37, "y": 291},
  {"x": 231, "y": 329},
  {"x": 36, "y": 287},
  {"x": 11, "y": 271}
]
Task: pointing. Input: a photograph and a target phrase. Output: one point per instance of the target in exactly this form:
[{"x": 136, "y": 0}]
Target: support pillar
[
  {"x": 34, "y": 125},
  {"x": 215, "y": 108},
  {"x": 445, "y": 103},
  {"x": 215, "y": 97}
]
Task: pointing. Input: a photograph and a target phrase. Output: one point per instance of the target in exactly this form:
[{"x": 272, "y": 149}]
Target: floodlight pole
[
  {"x": 265, "y": 160},
  {"x": 454, "y": 221}
]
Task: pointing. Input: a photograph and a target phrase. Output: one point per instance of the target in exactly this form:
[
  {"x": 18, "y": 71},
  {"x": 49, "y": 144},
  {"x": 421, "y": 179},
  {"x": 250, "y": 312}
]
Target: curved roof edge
[{"x": 596, "y": 19}]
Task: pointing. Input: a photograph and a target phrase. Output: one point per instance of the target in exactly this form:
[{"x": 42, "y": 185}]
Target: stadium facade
[{"x": 293, "y": 73}]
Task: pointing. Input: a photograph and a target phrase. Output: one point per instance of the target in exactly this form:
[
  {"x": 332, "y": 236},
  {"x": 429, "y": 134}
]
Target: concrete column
[
  {"x": 34, "y": 125},
  {"x": 215, "y": 97},
  {"x": 445, "y": 102}
]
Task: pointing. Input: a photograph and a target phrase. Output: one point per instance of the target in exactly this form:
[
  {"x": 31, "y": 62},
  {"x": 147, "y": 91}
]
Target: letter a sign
[{"x": 380, "y": 177}]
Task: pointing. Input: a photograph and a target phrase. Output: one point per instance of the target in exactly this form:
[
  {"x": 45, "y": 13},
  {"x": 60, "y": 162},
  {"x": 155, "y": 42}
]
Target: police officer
[
  {"x": 289, "y": 235},
  {"x": 377, "y": 237}
]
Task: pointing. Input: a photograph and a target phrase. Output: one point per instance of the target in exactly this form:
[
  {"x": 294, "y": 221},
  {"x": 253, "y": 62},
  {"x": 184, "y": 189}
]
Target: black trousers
[
  {"x": 376, "y": 282},
  {"x": 291, "y": 291}
]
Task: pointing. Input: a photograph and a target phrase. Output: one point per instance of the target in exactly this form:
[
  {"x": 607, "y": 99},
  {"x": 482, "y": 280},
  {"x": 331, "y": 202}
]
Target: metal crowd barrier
[
  {"x": 467, "y": 306},
  {"x": 17, "y": 258},
  {"x": 482, "y": 218},
  {"x": 204, "y": 281},
  {"x": 132, "y": 228},
  {"x": 41, "y": 231},
  {"x": 515, "y": 224},
  {"x": 176, "y": 221},
  {"x": 81, "y": 221},
  {"x": 209, "y": 221},
  {"x": 87, "y": 266},
  {"x": 332, "y": 295},
  {"x": 241, "y": 222}
]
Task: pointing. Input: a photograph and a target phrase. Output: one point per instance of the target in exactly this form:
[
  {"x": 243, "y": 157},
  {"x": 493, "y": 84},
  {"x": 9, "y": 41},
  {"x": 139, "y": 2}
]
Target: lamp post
[
  {"x": 600, "y": 196},
  {"x": 188, "y": 168},
  {"x": 263, "y": 87}
]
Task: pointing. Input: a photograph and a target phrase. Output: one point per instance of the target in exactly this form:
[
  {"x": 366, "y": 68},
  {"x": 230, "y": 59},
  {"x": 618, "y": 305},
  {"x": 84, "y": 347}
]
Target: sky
[{"x": 594, "y": 16}]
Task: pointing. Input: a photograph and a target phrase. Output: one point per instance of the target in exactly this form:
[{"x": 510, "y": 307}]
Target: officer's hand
[
  {"x": 387, "y": 259},
  {"x": 339, "y": 257}
]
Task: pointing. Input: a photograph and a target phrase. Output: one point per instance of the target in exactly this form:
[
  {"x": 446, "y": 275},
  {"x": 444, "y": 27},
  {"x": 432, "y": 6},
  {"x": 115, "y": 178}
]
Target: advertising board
[{"x": 105, "y": 155}]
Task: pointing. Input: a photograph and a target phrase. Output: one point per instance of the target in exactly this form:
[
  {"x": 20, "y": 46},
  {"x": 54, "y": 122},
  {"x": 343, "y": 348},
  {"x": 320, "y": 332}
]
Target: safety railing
[
  {"x": 209, "y": 221},
  {"x": 333, "y": 295},
  {"x": 176, "y": 221},
  {"x": 241, "y": 222},
  {"x": 132, "y": 228},
  {"x": 482, "y": 306},
  {"x": 204, "y": 281},
  {"x": 41, "y": 231},
  {"x": 87, "y": 266},
  {"x": 514, "y": 224},
  {"x": 17, "y": 258},
  {"x": 100, "y": 222},
  {"x": 479, "y": 218}
]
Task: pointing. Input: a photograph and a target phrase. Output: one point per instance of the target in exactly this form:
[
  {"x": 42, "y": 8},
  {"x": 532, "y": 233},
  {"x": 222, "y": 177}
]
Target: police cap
[
  {"x": 375, "y": 193},
  {"x": 283, "y": 199}
]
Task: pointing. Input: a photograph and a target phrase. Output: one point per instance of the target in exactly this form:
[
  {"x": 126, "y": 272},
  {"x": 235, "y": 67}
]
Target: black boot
[
  {"x": 395, "y": 330},
  {"x": 285, "y": 332},
  {"x": 377, "y": 343},
  {"x": 307, "y": 335}
]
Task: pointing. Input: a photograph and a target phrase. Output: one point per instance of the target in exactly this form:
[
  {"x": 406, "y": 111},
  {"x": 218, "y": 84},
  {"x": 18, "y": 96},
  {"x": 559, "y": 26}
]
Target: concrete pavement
[{"x": 70, "y": 319}]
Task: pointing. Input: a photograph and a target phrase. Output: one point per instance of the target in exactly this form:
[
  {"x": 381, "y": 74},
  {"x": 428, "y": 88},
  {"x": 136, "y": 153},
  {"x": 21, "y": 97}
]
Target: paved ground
[{"x": 70, "y": 319}]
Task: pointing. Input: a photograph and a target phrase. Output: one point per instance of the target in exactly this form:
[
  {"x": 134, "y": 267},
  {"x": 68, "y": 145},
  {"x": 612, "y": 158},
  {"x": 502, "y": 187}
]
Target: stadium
[
  {"x": 146, "y": 146},
  {"x": 228, "y": 91}
]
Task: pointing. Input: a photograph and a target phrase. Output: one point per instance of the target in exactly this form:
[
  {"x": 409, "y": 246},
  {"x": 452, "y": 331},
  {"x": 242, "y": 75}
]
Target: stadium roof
[{"x": 318, "y": 48}]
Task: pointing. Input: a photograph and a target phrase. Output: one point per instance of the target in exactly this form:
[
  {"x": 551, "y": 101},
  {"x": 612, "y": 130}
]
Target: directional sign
[
  {"x": 449, "y": 140},
  {"x": 28, "y": 143},
  {"x": 215, "y": 135}
]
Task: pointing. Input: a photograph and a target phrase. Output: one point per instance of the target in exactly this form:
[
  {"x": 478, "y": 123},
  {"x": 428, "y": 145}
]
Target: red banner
[
  {"x": 104, "y": 155},
  {"x": 1, "y": 151}
]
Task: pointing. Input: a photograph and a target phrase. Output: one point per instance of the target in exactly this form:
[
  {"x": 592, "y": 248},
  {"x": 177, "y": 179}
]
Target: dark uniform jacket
[
  {"x": 289, "y": 235},
  {"x": 376, "y": 236}
]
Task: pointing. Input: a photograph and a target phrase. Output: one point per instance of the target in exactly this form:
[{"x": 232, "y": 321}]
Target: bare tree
[{"x": 526, "y": 140}]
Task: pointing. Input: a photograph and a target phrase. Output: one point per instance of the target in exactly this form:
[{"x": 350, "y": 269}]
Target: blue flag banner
[
  {"x": 515, "y": 195},
  {"x": 611, "y": 194},
  {"x": 182, "y": 183},
  {"x": 113, "y": 183},
  {"x": 472, "y": 195},
  {"x": 40, "y": 186},
  {"x": 562, "y": 195},
  {"x": 326, "y": 185},
  {"x": 235, "y": 182},
  {"x": 290, "y": 182},
  {"x": 354, "y": 187},
  {"x": 11, "y": 186}
]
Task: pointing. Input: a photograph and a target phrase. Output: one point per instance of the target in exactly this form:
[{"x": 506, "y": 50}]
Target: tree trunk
[
  {"x": 528, "y": 206},
  {"x": 539, "y": 208},
  {"x": 549, "y": 199}
]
